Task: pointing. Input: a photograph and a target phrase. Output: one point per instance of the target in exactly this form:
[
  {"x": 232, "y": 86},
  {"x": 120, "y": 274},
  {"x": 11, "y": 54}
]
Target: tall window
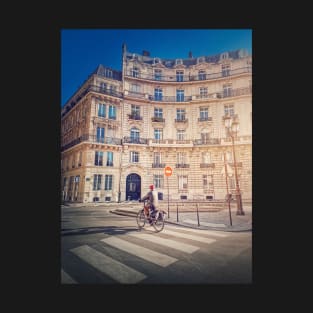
[
  {"x": 179, "y": 95},
  {"x": 205, "y": 137},
  {"x": 202, "y": 75},
  {"x": 180, "y": 114},
  {"x": 227, "y": 90},
  {"x": 100, "y": 134},
  {"x": 204, "y": 113},
  {"x": 181, "y": 134},
  {"x": 229, "y": 157},
  {"x": 225, "y": 70},
  {"x": 229, "y": 109},
  {"x": 103, "y": 86},
  {"x": 158, "y": 112},
  {"x": 112, "y": 112},
  {"x": 80, "y": 158},
  {"x": 134, "y": 134},
  {"x": 157, "y": 157},
  {"x": 108, "y": 179},
  {"x": 158, "y": 181},
  {"x": 181, "y": 157},
  {"x": 157, "y": 74},
  {"x": 206, "y": 157},
  {"x": 135, "y": 111},
  {"x": 182, "y": 182},
  {"x": 101, "y": 110},
  {"x": 108, "y": 73},
  {"x": 109, "y": 158},
  {"x": 99, "y": 158},
  {"x": 203, "y": 92},
  {"x": 207, "y": 182},
  {"x": 134, "y": 156},
  {"x": 97, "y": 182},
  {"x": 135, "y": 88},
  {"x": 158, "y": 94},
  {"x": 158, "y": 133},
  {"x": 135, "y": 72},
  {"x": 179, "y": 76}
]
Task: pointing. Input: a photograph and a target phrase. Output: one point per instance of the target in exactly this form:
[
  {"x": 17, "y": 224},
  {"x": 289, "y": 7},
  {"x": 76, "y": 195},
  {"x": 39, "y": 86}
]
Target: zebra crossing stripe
[
  {"x": 105, "y": 264},
  {"x": 187, "y": 236},
  {"x": 166, "y": 242},
  {"x": 200, "y": 231},
  {"x": 139, "y": 251},
  {"x": 66, "y": 278},
  {"x": 204, "y": 223}
]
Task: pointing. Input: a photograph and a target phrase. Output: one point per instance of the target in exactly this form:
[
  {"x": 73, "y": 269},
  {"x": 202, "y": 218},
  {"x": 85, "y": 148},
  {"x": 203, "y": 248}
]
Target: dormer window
[
  {"x": 179, "y": 61},
  {"x": 201, "y": 60},
  {"x": 156, "y": 60},
  {"x": 224, "y": 56}
]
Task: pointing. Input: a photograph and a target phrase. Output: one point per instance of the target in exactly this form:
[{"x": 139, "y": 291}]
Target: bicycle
[{"x": 157, "y": 217}]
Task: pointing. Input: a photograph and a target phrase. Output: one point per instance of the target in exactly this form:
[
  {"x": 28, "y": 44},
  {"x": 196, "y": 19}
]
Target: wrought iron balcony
[
  {"x": 209, "y": 141},
  {"x": 181, "y": 120},
  {"x": 170, "y": 98},
  {"x": 134, "y": 117},
  {"x": 143, "y": 141},
  {"x": 206, "y": 165},
  {"x": 182, "y": 165},
  {"x": 157, "y": 119},
  {"x": 205, "y": 119},
  {"x": 158, "y": 165}
]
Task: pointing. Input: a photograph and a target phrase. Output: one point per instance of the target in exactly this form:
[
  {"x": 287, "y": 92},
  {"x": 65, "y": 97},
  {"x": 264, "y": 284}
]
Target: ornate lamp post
[{"x": 232, "y": 127}]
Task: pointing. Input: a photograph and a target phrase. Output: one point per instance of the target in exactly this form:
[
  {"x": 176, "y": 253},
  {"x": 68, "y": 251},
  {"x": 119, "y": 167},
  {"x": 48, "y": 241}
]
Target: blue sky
[{"x": 82, "y": 50}]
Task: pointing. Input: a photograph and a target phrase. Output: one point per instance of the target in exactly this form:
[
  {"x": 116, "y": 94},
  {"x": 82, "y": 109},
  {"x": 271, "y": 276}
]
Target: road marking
[
  {"x": 105, "y": 264},
  {"x": 187, "y": 236},
  {"x": 204, "y": 223},
  {"x": 201, "y": 231},
  {"x": 139, "y": 251},
  {"x": 167, "y": 242},
  {"x": 66, "y": 278}
]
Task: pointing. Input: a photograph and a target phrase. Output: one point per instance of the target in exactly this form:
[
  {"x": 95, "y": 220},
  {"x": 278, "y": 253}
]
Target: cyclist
[{"x": 152, "y": 196}]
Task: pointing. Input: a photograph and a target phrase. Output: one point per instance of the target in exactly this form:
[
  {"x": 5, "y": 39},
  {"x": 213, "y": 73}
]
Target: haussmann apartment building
[{"x": 122, "y": 128}]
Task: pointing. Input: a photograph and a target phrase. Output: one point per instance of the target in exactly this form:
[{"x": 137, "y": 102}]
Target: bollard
[
  {"x": 198, "y": 215},
  {"x": 177, "y": 212}
]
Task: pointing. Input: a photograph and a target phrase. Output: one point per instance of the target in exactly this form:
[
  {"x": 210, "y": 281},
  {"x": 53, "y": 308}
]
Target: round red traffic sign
[{"x": 168, "y": 171}]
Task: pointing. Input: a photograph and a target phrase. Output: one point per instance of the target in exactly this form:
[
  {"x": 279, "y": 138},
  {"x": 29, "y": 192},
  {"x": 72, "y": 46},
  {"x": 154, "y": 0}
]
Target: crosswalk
[{"x": 172, "y": 240}]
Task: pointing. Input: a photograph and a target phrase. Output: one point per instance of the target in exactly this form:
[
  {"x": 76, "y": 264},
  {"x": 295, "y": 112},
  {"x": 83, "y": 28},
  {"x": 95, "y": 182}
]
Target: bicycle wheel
[
  {"x": 158, "y": 222},
  {"x": 141, "y": 220}
]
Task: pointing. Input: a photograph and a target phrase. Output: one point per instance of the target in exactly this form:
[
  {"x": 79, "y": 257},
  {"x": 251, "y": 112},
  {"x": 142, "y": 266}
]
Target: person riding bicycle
[{"x": 152, "y": 196}]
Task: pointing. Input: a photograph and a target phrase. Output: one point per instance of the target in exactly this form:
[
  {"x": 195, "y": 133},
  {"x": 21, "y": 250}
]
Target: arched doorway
[{"x": 133, "y": 187}]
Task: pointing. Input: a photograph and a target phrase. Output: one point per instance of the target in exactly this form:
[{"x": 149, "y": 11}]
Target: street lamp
[{"x": 232, "y": 127}]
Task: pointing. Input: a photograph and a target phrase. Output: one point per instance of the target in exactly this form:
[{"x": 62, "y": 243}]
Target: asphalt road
[{"x": 98, "y": 247}]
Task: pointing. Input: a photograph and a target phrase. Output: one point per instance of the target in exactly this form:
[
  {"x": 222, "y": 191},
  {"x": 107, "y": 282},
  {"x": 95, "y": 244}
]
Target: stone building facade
[{"x": 121, "y": 128}]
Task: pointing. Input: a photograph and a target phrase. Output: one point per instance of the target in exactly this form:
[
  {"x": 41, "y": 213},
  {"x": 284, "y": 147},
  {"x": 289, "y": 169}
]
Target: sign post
[{"x": 168, "y": 172}]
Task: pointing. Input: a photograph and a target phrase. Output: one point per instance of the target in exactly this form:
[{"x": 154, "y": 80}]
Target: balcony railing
[
  {"x": 142, "y": 141},
  {"x": 134, "y": 117},
  {"x": 157, "y": 119},
  {"x": 210, "y": 141},
  {"x": 188, "y": 78},
  {"x": 205, "y": 119},
  {"x": 238, "y": 164},
  {"x": 92, "y": 138},
  {"x": 206, "y": 165},
  {"x": 181, "y": 120},
  {"x": 182, "y": 165},
  {"x": 170, "y": 98},
  {"x": 158, "y": 165}
]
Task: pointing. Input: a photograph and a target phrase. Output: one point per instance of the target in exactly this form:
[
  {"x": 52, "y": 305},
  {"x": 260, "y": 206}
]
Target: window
[
  {"x": 112, "y": 112},
  {"x": 181, "y": 157},
  {"x": 100, "y": 134},
  {"x": 205, "y": 137},
  {"x": 109, "y": 158},
  {"x": 101, "y": 110},
  {"x": 135, "y": 72},
  {"x": 99, "y": 158},
  {"x": 179, "y": 76},
  {"x": 135, "y": 88},
  {"x": 182, "y": 182},
  {"x": 135, "y": 111},
  {"x": 229, "y": 110},
  {"x": 179, "y": 61},
  {"x": 206, "y": 157},
  {"x": 158, "y": 133},
  {"x": 179, "y": 95},
  {"x": 97, "y": 182},
  {"x": 227, "y": 90},
  {"x": 157, "y": 157},
  {"x": 225, "y": 70},
  {"x": 80, "y": 158},
  {"x": 203, "y": 92},
  {"x": 158, "y": 93},
  {"x": 157, "y": 74},
  {"x": 180, "y": 114},
  {"x": 229, "y": 156},
  {"x": 202, "y": 75},
  {"x": 181, "y": 134},
  {"x": 108, "y": 73},
  {"x": 103, "y": 86},
  {"x": 134, "y": 156},
  {"x": 134, "y": 134},
  {"x": 113, "y": 89},
  {"x": 207, "y": 182},
  {"x": 201, "y": 59},
  {"x": 204, "y": 113},
  {"x": 158, "y": 112},
  {"x": 73, "y": 160},
  {"x": 108, "y": 179},
  {"x": 158, "y": 181}
]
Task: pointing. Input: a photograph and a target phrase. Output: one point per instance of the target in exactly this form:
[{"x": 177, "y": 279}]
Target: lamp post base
[{"x": 239, "y": 205}]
